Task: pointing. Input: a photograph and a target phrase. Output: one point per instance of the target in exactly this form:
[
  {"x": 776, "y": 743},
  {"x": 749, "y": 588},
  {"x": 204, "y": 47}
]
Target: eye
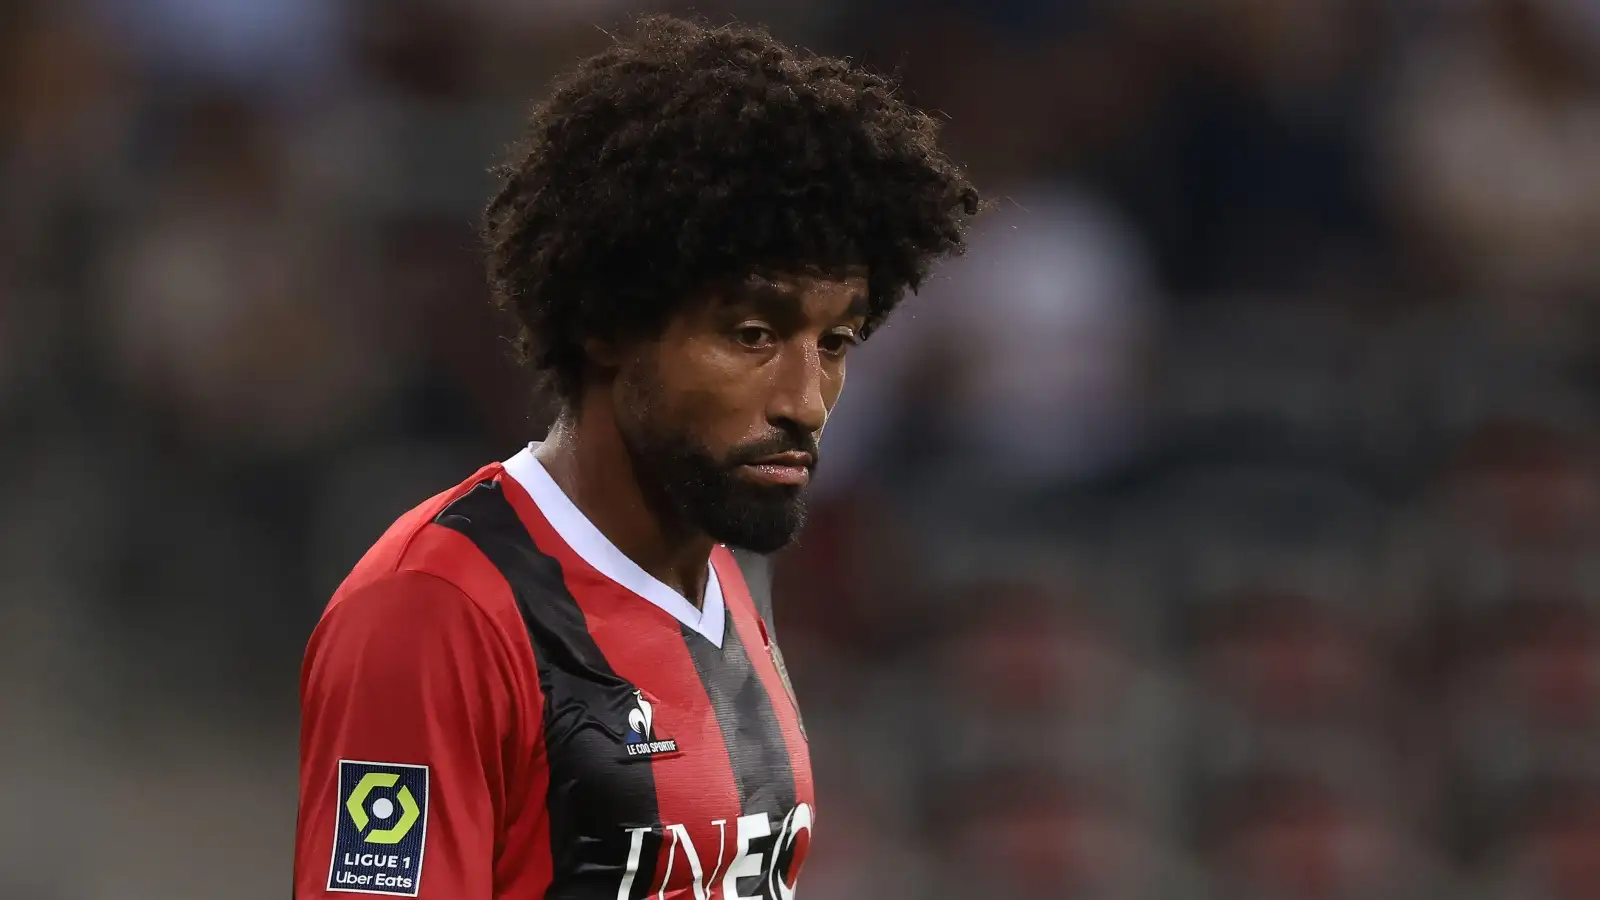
[
  {"x": 755, "y": 337},
  {"x": 838, "y": 343}
]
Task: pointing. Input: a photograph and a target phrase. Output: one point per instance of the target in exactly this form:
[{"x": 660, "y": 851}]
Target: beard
[{"x": 685, "y": 482}]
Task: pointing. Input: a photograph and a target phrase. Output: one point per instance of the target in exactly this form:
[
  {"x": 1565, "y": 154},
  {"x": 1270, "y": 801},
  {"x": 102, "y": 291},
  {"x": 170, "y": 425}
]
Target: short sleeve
[{"x": 406, "y": 707}]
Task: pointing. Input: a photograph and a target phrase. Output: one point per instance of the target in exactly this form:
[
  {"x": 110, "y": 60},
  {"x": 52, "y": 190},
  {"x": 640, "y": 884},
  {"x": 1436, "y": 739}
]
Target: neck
[{"x": 586, "y": 456}]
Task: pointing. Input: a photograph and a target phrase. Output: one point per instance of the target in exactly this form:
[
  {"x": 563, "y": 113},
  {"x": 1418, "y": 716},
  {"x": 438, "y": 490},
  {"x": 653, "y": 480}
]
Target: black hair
[{"x": 685, "y": 154}]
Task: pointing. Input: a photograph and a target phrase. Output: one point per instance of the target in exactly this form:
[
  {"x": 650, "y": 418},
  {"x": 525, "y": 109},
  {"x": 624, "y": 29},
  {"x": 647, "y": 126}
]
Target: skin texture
[{"x": 654, "y": 451}]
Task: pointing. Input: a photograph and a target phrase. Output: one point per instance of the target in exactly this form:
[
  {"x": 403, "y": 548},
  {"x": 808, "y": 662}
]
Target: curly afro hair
[{"x": 687, "y": 154}]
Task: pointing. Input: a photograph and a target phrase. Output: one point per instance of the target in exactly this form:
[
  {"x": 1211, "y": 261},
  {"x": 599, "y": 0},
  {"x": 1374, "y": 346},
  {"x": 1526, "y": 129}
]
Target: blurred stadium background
[{"x": 1223, "y": 526}]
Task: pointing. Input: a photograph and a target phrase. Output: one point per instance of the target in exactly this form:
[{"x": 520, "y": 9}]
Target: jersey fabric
[{"x": 497, "y": 703}]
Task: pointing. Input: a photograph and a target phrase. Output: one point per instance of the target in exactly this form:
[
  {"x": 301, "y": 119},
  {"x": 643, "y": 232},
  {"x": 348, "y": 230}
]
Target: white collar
[{"x": 597, "y": 550}]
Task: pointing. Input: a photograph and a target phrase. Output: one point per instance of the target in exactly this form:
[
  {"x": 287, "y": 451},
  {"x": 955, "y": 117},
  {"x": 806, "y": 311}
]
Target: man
[{"x": 552, "y": 681}]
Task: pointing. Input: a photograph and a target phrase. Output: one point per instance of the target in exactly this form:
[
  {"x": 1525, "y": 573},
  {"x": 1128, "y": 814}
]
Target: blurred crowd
[{"x": 1221, "y": 527}]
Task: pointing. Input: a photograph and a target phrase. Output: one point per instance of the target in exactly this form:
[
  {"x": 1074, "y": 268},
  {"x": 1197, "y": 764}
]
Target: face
[{"x": 722, "y": 413}]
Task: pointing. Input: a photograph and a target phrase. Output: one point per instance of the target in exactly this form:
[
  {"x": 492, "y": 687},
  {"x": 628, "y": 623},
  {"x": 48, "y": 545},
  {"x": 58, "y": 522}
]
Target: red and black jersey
[{"x": 498, "y": 704}]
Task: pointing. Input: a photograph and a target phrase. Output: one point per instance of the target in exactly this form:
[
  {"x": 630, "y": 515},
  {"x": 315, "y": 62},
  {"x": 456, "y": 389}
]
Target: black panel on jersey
[
  {"x": 750, "y": 730},
  {"x": 583, "y": 699},
  {"x": 757, "y": 572}
]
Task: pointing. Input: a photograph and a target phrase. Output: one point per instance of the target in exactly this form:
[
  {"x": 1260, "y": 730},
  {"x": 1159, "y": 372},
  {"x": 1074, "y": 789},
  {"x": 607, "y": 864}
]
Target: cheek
[
  {"x": 833, "y": 386},
  {"x": 730, "y": 414},
  {"x": 704, "y": 397},
  {"x": 651, "y": 403}
]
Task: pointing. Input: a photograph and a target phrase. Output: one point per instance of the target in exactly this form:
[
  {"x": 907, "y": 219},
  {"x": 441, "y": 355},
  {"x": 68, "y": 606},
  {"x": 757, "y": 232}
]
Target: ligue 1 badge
[{"x": 380, "y": 828}]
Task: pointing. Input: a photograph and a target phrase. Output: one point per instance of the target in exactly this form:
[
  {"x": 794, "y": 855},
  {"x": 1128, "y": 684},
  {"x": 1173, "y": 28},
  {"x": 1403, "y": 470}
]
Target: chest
[{"x": 681, "y": 772}]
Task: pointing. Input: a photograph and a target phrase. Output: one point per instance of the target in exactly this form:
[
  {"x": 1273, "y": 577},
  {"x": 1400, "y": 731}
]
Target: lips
[
  {"x": 797, "y": 458},
  {"x": 791, "y": 469}
]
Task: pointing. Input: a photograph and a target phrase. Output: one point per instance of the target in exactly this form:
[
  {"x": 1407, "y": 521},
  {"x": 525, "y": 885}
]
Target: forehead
[
  {"x": 814, "y": 292},
  {"x": 805, "y": 282}
]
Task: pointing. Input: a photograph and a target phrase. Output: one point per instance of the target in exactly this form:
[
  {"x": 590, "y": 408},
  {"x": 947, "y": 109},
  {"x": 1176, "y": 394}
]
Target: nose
[{"x": 799, "y": 392}]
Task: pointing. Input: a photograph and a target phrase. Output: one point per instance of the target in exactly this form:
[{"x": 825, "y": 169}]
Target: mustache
[{"x": 783, "y": 442}]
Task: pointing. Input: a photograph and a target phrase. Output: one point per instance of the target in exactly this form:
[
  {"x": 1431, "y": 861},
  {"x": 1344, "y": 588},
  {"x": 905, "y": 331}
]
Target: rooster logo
[
  {"x": 640, "y": 720},
  {"x": 641, "y": 739}
]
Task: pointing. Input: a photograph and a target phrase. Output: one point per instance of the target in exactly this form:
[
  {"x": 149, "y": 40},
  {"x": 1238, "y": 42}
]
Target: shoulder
[
  {"x": 422, "y": 571},
  {"x": 430, "y": 623}
]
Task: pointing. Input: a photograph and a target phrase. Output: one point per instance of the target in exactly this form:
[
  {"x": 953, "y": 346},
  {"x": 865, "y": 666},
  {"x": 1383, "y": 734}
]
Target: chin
[
  {"x": 765, "y": 527},
  {"x": 759, "y": 544}
]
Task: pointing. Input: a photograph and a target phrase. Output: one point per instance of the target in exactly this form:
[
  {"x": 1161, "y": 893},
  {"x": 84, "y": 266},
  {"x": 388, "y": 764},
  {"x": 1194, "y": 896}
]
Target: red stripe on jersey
[
  {"x": 522, "y": 856},
  {"x": 645, "y": 646}
]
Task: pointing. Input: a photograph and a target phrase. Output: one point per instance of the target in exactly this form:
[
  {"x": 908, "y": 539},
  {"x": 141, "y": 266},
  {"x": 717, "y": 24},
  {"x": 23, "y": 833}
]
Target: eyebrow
[{"x": 771, "y": 301}]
